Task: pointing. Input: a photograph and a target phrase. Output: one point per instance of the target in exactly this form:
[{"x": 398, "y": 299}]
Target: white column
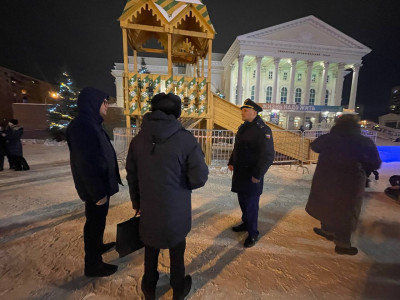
[
  {"x": 239, "y": 80},
  {"x": 119, "y": 80},
  {"x": 262, "y": 84},
  {"x": 292, "y": 78},
  {"x": 354, "y": 83},
  {"x": 323, "y": 84},
  {"x": 276, "y": 77},
  {"x": 231, "y": 85},
  {"x": 339, "y": 84},
  {"x": 247, "y": 87},
  {"x": 258, "y": 79},
  {"x": 308, "y": 82}
]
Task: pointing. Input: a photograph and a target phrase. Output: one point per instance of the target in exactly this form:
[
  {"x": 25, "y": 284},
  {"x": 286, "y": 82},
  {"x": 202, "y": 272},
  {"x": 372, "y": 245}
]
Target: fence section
[
  {"x": 122, "y": 140},
  {"x": 291, "y": 146}
]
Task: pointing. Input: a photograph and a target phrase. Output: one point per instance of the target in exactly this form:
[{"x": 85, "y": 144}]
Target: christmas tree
[{"x": 66, "y": 109}]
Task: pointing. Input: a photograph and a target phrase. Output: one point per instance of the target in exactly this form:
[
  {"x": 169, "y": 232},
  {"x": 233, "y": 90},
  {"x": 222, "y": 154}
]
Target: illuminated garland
[{"x": 66, "y": 108}]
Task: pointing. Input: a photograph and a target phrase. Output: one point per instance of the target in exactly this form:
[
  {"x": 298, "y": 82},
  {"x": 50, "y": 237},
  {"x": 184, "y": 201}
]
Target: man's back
[{"x": 164, "y": 165}]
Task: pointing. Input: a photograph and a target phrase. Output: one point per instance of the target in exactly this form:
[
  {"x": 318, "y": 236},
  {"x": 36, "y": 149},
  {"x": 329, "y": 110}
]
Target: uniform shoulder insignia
[
  {"x": 261, "y": 124},
  {"x": 268, "y": 136}
]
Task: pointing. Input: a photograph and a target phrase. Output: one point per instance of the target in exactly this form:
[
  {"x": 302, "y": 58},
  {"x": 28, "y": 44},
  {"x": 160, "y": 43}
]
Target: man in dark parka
[
  {"x": 339, "y": 180},
  {"x": 96, "y": 176},
  {"x": 252, "y": 155},
  {"x": 164, "y": 164}
]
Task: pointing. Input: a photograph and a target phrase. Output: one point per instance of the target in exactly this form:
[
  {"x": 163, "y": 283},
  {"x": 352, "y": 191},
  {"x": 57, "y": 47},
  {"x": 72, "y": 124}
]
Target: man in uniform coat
[
  {"x": 252, "y": 155},
  {"x": 96, "y": 175}
]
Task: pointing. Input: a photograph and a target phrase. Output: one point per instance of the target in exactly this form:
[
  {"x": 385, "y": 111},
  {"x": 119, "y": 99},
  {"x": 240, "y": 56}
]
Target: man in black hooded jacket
[
  {"x": 164, "y": 164},
  {"x": 95, "y": 171}
]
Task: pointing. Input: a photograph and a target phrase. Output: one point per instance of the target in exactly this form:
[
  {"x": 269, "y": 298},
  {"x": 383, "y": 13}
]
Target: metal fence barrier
[
  {"x": 291, "y": 146},
  {"x": 122, "y": 140}
]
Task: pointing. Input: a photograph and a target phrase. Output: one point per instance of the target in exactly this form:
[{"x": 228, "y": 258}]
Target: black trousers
[
  {"x": 176, "y": 256},
  {"x": 249, "y": 204},
  {"x": 342, "y": 236},
  {"x": 1, "y": 162},
  {"x": 93, "y": 232}
]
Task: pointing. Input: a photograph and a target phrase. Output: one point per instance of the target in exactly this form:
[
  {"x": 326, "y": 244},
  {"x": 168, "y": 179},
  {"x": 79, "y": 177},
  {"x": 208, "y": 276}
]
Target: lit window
[
  {"x": 326, "y": 97},
  {"x": 268, "y": 98},
  {"x": 299, "y": 76},
  {"x": 283, "y": 95},
  {"x": 312, "y": 97},
  {"x": 297, "y": 97},
  {"x": 313, "y": 77},
  {"x": 284, "y": 75}
]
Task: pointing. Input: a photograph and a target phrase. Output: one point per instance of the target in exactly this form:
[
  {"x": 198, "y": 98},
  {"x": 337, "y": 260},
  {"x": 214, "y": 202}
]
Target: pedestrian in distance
[
  {"x": 96, "y": 175},
  {"x": 15, "y": 156},
  {"x": 252, "y": 155},
  {"x": 3, "y": 147},
  {"x": 164, "y": 164},
  {"x": 345, "y": 156}
]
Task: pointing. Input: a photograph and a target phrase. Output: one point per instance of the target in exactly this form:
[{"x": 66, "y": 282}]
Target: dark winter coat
[
  {"x": 252, "y": 155},
  {"x": 92, "y": 157},
  {"x": 3, "y": 143},
  {"x": 13, "y": 140},
  {"x": 164, "y": 164},
  {"x": 339, "y": 180}
]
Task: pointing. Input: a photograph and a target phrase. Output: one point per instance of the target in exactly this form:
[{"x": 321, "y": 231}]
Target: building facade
[
  {"x": 294, "y": 70},
  {"x": 19, "y": 88}
]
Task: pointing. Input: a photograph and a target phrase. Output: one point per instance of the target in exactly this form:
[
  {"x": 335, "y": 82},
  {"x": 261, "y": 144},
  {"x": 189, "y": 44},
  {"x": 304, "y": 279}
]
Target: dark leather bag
[{"x": 128, "y": 239}]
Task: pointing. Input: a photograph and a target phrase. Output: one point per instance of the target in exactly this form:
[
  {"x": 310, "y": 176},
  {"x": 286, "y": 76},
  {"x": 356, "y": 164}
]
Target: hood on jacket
[
  {"x": 89, "y": 102},
  {"x": 157, "y": 126}
]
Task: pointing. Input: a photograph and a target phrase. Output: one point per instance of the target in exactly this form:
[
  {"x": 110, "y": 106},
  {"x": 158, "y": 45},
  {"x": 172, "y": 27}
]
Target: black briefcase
[{"x": 128, "y": 239}]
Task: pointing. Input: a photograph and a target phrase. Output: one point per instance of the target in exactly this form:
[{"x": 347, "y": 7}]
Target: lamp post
[{"x": 53, "y": 95}]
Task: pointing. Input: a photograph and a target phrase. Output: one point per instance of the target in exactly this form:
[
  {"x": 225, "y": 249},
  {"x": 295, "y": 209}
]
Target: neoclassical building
[{"x": 295, "y": 70}]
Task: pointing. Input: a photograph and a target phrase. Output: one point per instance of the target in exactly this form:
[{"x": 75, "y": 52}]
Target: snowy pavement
[{"x": 41, "y": 244}]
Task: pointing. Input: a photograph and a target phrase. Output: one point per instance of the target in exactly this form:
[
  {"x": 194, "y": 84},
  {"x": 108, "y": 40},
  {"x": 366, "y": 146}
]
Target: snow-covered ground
[{"x": 41, "y": 244}]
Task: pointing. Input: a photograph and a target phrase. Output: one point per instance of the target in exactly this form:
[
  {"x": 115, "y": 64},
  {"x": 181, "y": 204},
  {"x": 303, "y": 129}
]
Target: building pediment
[{"x": 308, "y": 30}]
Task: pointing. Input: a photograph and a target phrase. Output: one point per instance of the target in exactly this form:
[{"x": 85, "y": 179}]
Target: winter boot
[
  {"x": 181, "y": 293},
  {"x": 240, "y": 228},
  {"x": 250, "y": 241},
  {"x": 323, "y": 233},
  {"x": 100, "y": 270},
  {"x": 149, "y": 288},
  {"x": 346, "y": 251}
]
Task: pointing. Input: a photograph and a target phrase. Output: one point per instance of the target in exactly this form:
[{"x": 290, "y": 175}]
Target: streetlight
[{"x": 53, "y": 95}]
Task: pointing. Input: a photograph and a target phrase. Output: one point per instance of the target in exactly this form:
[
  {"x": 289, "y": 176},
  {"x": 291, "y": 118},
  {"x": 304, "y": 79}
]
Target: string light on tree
[{"x": 66, "y": 109}]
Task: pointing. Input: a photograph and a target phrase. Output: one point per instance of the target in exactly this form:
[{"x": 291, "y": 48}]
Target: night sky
[{"x": 40, "y": 38}]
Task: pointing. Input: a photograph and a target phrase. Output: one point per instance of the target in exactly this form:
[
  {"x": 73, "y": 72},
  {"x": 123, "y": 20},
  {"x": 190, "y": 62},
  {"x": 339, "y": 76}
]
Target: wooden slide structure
[{"x": 183, "y": 32}]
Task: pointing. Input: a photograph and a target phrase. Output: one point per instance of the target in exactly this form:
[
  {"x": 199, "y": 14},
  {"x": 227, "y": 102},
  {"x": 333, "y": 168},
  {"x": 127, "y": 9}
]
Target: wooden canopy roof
[{"x": 187, "y": 22}]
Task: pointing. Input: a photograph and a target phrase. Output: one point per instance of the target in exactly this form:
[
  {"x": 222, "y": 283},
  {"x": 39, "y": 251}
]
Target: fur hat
[
  {"x": 348, "y": 119},
  {"x": 168, "y": 103}
]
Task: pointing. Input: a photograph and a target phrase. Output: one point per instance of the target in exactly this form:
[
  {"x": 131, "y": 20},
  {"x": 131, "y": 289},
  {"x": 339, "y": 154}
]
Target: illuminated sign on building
[{"x": 297, "y": 107}]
